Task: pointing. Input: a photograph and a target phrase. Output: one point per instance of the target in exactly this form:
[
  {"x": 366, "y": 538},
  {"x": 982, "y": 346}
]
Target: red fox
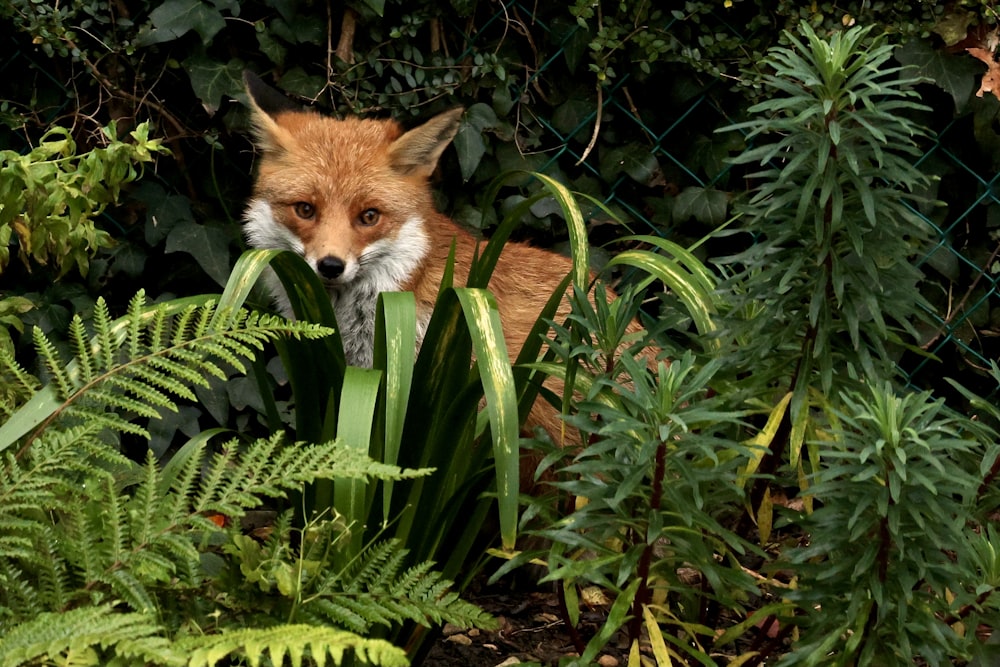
[{"x": 353, "y": 198}]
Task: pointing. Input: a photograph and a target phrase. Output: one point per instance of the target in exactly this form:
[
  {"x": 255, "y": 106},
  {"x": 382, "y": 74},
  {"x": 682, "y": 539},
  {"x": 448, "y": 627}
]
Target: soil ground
[{"x": 531, "y": 630}]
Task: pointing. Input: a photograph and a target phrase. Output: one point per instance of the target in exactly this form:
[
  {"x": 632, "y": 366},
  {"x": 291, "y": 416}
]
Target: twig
[
  {"x": 345, "y": 46},
  {"x": 961, "y": 304},
  {"x": 597, "y": 126}
]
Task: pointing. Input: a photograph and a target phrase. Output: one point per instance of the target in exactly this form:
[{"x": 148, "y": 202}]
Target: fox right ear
[
  {"x": 266, "y": 104},
  {"x": 418, "y": 150}
]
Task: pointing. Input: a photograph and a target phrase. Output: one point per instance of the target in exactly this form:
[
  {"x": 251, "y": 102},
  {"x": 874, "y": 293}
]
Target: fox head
[{"x": 351, "y": 196}]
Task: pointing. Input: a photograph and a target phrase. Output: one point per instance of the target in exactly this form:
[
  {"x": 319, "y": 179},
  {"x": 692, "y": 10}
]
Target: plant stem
[
  {"x": 578, "y": 644},
  {"x": 644, "y": 594}
]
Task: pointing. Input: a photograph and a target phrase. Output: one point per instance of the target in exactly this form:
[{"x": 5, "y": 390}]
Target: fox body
[{"x": 353, "y": 198}]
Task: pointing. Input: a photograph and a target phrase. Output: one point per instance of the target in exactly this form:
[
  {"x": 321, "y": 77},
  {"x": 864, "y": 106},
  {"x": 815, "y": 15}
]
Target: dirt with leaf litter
[{"x": 531, "y": 630}]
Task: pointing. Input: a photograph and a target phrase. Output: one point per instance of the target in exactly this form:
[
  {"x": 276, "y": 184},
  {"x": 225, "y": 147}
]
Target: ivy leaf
[
  {"x": 956, "y": 75},
  {"x": 174, "y": 18},
  {"x": 297, "y": 82},
  {"x": 633, "y": 159},
  {"x": 511, "y": 159},
  {"x": 706, "y": 205},
  {"x": 469, "y": 140},
  {"x": 232, "y": 6},
  {"x": 211, "y": 80},
  {"x": 377, "y": 6},
  {"x": 299, "y": 30},
  {"x": 574, "y": 118},
  {"x": 163, "y": 211},
  {"x": 208, "y": 245},
  {"x": 271, "y": 47}
]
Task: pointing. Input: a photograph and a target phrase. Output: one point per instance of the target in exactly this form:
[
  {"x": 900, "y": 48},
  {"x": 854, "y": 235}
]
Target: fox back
[{"x": 353, "y": 198}]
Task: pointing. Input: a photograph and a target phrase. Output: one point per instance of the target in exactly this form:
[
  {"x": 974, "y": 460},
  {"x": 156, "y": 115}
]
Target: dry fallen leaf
[{"x": 991, "y": 79}]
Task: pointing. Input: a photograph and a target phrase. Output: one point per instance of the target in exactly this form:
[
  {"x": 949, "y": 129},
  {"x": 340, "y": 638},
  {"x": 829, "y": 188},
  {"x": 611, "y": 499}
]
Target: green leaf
[
  {"x": 209, "y": 245},
  {"x": 471, "y": 148},
  {"x": 688, "y": 287},
  {"x": 633, "y": 159},
  {"x": 483, "y": 318},
  {"x": 212, "y": 80},
  {"x": 357, "y": 415},
  {"x": 571, "y": 118},
  {"x": 617, "y": 617},
  {"x": 395, "y": 354},
  {"x": 706, "y": 205},
  {"x": 377, "y": 6},
  {"x": 957, "y": 75},
  {"x": 953, "y": 27},
  {"x": 296, "y": 81},
  {"x": 174, "y": 18}
]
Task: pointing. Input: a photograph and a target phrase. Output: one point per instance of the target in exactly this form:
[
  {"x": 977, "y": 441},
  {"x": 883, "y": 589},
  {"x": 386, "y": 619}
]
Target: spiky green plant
[
  {"x": 827, "y": 292},
  {"x": 829, "y": 274},
  {"x": 655, "y": 487},
  {"x": 820, "y": 304},
  {"x": 894, "y": 565}
]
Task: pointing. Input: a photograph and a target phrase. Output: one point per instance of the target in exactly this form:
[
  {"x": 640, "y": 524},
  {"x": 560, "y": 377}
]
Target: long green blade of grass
[
  {"x": 483, "y": 318},
  {"x": 395, "y": 354},
  {"x": 357, "y": 415},
  {"x": 689, "y": 287}
]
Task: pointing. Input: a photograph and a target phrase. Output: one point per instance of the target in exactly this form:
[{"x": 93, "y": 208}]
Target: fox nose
[{"x": 330, "y": 267}]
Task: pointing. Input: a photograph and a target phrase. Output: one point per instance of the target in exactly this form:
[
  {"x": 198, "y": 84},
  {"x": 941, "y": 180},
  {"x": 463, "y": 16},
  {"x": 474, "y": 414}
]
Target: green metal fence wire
[{"x": 965, "y": 252}]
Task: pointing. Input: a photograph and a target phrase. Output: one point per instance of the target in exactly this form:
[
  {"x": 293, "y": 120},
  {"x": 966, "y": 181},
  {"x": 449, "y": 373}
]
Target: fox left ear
[{"x": 418, "y": 150}]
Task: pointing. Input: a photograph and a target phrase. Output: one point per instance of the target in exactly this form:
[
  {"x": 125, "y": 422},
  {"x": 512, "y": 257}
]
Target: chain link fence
[{"x": 961, "y": 265}]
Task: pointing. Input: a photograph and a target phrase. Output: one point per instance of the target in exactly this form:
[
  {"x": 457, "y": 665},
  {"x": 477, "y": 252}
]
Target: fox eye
[
  {"x": 304, "y": 210},
  {"x": 369, "y": 217}
]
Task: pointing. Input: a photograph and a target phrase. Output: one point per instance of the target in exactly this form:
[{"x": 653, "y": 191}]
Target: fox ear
[
  {"x": 418, "y": 150},
  {"x": 266, "y": 104}
]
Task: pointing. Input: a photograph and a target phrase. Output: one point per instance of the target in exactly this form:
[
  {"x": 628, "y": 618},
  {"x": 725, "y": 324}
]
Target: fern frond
[
  {"x": 18, "y": 595},
  {"x": 178, "y": 479},
  {"x": 51, "y": 635},
  {"x": 295, "y": 642},
  {"x": 172, "y": 553},
  {"x": 145, "y": 361},
  {"x": 102, "y": 324},
  {"x": 78, "y": 340},
  {"x": 133, "y": 323},
  {"x": 110, "y": 521},
  {"x": 34, "y": 482},
  {"x": 164, "y": 373},
  {"x": 146, "y": 397},
  {"x": 377, "y": 565},
  {"x": 129, "y": 589},
  {"x": 344, "y": 613},
  {"x": 16, "y": 384},
  {"x": 50, "y": 577},
  {"x": 236, "y": 481},
  {"x": 375, "y": 591},
  {"x": 82, "y": 549},
  {"x": 52, "y": 361},
  {"x": 145, "y": 505}
]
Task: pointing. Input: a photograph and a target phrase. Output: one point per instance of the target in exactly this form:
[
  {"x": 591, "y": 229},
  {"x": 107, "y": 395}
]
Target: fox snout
[{"x": 330, "y": 267}]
